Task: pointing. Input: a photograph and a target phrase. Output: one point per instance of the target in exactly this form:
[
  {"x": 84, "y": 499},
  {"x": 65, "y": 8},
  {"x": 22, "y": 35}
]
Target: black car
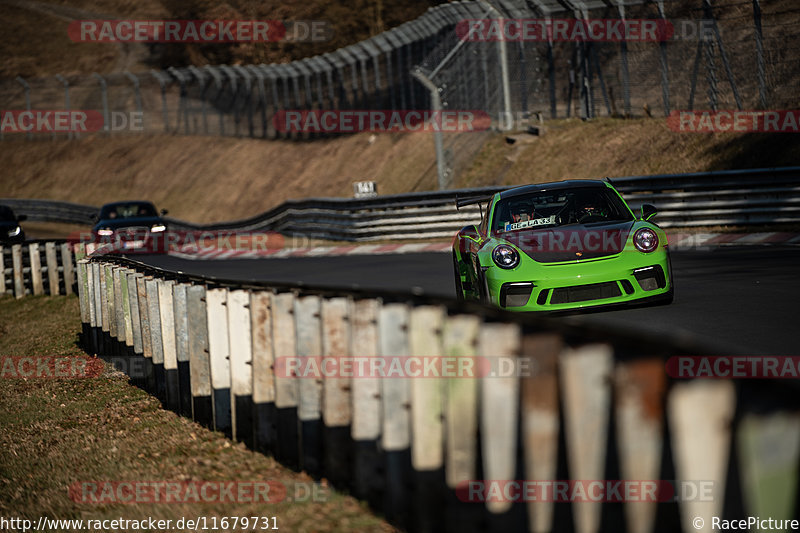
[
  {"x": 10, "y": 230},
  {"x": 131, "y": 225}
]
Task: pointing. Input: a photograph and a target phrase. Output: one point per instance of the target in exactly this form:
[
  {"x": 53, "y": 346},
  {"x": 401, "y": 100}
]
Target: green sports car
[{"x": 560, "y": 246}]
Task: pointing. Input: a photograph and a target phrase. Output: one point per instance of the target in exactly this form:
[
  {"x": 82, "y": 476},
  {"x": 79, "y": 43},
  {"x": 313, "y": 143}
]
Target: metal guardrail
[
  {"x": 594, "y": 403},
  {"x": 37, "y": 268},
  {"x": 737, "y": 197}
]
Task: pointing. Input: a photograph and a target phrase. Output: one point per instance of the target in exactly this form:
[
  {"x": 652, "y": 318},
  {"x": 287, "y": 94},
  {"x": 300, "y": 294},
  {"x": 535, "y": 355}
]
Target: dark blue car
[{"x": 132, "y": 225}]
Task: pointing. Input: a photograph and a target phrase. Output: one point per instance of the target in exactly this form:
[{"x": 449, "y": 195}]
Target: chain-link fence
[{"x": 729, "y": 54}]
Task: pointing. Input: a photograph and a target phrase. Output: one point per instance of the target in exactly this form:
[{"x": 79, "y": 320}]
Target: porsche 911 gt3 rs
[{"x": 560, "y": 246}]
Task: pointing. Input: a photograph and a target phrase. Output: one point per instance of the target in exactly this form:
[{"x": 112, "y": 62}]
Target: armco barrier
[
  {"x": 737, "y": 197},
  {"x": 595, "y": 404},
  {"x": 37, "y": 268}
]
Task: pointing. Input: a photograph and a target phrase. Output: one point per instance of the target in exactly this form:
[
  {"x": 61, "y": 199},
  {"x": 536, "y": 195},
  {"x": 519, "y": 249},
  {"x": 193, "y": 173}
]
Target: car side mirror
[
  {"x": 22, "y": 218},
  {"x": 164, "y": 212},
  {"x": 648, "y": 211},
  {"x": 94, "y": 217}
]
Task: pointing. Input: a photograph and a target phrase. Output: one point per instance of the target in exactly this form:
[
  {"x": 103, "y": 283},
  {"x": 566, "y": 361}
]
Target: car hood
[
  {"x": 576, "y": 242},
  {"x": 116, "y": 224}
]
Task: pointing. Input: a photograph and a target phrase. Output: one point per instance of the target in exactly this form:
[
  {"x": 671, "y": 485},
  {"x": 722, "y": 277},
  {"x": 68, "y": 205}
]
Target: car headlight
[
  {"x": 105, "y": 232},
  {"x": 158, "y": 228},
  {"x": 505, "y": 256},
  {"x": 14, "y": 232},
  {"x": 645, "y": 240}
]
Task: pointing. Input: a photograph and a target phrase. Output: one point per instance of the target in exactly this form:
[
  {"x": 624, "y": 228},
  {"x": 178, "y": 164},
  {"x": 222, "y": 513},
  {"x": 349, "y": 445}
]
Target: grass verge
[{"x": 58, "y": 432}]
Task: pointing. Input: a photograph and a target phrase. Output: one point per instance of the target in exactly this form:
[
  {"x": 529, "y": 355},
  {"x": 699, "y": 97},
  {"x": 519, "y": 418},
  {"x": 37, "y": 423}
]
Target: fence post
[
  {"x": 138, "y": 362},
  {"x": 179, "y": 302},
  {"x": 366, "y": 427},
  {"x": 37, "y": 284},
  {"x": 156, "y": 342},
  {"x": 67, "y": 258},
  {"x": 110, "y": 317},
  {"x": 166, "y": 311},
  {"x": 2, "y": 271},
  {"x": 585, "y": 374},
  {"x": 16, "y": 261},
  {"x": 540, "y": 421},
  {"x": 499, "y": 400},
  {"x": 700, "y": 415},
  {"x": 52, "y": 268},
  {"x": 104, "y": 97},
  {"x": 97, "y": 334},
  {"x": 336, "y": 399},
  {"x": 393, "y": 323},
  {"x": 241, "y": 360},
  {"x": 199, "y": 370},
  {"x": 426, "y": 324},
  {"x": 216, "y": 302},
  {"x": 307, "y": 311},
  {"x": 461, "y": 419},
  {"x": 119, "y": 309},
  {"x": 264, "y": 414},
  {"x": 147, "y": 339},
  {"x": 83, "y": 299},
  {"x": 286, "y": 393},
  {"x": 639, "y": 390}
]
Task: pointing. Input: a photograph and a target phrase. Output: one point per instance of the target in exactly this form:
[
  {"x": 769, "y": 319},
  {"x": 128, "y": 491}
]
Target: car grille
[{"x": 583, "y": 293}]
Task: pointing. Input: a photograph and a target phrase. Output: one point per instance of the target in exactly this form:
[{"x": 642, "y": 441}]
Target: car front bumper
[{"x": 628, "y": 277}]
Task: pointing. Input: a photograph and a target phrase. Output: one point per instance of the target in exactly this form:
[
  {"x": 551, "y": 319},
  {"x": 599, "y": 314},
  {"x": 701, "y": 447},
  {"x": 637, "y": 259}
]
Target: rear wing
[{"x": 472, "y": 200}]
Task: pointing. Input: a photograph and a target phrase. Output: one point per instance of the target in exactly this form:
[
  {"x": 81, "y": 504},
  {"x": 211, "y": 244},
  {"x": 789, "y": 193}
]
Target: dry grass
[{"x": 56, "y": 432}]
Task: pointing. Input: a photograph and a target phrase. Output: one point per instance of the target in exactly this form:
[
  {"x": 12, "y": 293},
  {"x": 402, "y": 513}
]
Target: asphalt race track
[{"x": 746, "y": 300}]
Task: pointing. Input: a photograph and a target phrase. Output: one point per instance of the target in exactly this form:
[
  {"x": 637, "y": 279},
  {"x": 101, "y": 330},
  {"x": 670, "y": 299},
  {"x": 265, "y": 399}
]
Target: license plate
[{"x": 133, "y": 244}]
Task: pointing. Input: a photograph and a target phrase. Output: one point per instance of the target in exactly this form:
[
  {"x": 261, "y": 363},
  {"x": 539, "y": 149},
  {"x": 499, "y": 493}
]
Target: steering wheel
[{"x": 590, "y": 217}]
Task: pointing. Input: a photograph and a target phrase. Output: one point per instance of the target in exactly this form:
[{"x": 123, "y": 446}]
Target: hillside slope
[{"x": 209, "y": 179}]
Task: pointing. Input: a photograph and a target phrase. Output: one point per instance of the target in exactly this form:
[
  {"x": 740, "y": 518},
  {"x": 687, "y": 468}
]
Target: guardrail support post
[
  {"x": 199, "y": 370},
  {"x": 67, "y": 262},
  {"x": 426, "y": 324},
  {"x": 368, "y": 483},
  {"x": 147, "y": 339},
  {"x": 156, "y": 343},
  {"x": 241, "y": 366},
  {"x": 307, "y": 311},
  {"x": 166, "y": 311},
  {"x": 264, "y": 413},
  {"x": 37, "y": 284},
  {"x": 336, "y": 402},
  {"x": 138, "y": 362},
  {"x": 219, "y": 357},
  {"x": 2, "y": 271},
  {"x": 182, "y": 348},
  {"x": 286, "y": 387}
]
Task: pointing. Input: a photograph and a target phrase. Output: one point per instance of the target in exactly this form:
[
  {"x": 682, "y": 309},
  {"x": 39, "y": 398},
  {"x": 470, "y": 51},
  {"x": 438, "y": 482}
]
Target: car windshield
[
  {"x": 130, "y": 210},
  {"x": 6, "y": 214},
  {"x": 561, "y": 207}
]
